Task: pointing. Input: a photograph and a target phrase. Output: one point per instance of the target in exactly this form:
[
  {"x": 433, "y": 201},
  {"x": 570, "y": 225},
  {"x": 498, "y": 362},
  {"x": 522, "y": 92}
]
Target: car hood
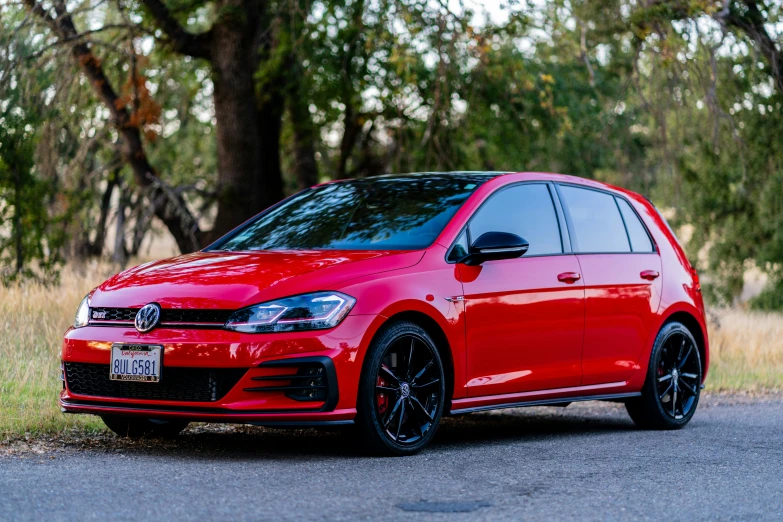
[{"x": 231, "y": 280}]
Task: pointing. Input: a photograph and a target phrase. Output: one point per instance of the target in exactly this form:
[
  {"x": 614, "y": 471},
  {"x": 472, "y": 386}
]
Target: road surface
[{"x": 584, "y": 462}]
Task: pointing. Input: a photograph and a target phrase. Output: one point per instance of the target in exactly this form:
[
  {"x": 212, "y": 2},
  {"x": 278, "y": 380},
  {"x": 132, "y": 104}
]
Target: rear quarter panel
[{"x": 680, "y": 291}]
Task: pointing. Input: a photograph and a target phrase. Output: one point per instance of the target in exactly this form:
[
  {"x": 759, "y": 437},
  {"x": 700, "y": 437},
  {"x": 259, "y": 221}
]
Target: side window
[
  {"x": 525, "y": 210},
  {"x": 596, "y": 220},
  {"x": 640, "y": 241}
]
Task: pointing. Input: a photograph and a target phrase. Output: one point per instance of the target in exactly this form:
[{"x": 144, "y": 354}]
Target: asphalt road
[{"x": 584, "y": 462}]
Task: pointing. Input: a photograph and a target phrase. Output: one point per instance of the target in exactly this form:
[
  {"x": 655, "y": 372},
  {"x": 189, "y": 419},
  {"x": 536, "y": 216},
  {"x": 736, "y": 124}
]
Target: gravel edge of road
[{"x": 76, "y": 441}]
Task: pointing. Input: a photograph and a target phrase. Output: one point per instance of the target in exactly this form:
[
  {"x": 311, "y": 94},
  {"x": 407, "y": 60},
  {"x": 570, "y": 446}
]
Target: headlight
[
  {"x": 82, "y": 313},
  {"x": 302, "y": 312}
]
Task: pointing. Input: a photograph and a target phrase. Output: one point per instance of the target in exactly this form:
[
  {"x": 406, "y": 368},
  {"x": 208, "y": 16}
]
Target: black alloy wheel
[
  {"x": 678, "y": 375},
  {"x": 672, "y": 389},
  {"x": 402, "y": 391}
]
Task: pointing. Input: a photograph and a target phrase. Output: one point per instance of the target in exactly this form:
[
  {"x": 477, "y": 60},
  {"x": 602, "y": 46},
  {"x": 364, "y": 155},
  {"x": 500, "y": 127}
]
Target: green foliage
[
  {"x": 675, "y": 99},
  {"x": 771, "y": 298},
  {"x": 31, "y": 246},
  {"x": 30, "y": 239}
]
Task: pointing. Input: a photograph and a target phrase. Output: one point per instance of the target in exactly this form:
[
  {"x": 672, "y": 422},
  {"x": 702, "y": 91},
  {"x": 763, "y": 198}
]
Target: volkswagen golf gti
[{"x": 388, "y": 302}]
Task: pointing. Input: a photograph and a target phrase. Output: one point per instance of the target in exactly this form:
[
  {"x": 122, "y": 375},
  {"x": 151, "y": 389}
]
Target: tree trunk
[
  {"x": 96, "y": 248},
  {"x": 248, "y": 132},
  {"x": 269, "y": 119},
  {"x": 237, "y": 133},
  {"x": 120, "y": 255},
  {"x": 305, "y": 134}
]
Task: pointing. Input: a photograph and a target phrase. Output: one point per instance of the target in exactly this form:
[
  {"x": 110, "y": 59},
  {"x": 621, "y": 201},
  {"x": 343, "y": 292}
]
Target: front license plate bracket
[{"x": 136, "y": 362}]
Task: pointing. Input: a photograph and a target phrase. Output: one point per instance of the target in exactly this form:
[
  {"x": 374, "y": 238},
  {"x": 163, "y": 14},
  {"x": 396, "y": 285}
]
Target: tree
[
  {"x": 31, "y": 249},
  {"x": 719, "y": 67}
]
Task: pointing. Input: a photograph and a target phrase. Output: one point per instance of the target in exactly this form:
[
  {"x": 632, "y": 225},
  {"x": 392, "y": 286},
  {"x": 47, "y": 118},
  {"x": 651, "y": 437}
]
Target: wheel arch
[
  {"x": 438, "y": 335},
  {"x": 697, "y": 330}
]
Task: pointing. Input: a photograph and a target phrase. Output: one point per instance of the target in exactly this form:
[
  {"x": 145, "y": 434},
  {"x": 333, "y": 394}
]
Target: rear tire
[
  {"x": 673, "y": 385},
  {"x": 137, "y": 427},
  {"x": 401, "y": 392}
]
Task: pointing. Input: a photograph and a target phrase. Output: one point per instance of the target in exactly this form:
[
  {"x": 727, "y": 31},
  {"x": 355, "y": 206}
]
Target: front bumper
[{"x": 264, "y": 360}]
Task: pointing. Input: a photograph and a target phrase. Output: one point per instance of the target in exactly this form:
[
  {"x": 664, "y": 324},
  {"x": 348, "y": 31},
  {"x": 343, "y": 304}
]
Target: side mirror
[{"x": 492, "y": 246}]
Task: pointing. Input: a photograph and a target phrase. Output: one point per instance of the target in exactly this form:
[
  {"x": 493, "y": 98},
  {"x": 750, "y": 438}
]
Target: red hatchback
[{"x": 389, "y": 302}]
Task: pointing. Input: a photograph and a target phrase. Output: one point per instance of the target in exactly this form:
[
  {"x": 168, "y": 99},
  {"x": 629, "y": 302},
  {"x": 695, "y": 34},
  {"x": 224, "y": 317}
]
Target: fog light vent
[{"x": 311, "y": 379}]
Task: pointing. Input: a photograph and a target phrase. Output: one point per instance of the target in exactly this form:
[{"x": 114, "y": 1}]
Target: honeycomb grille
[
  {"x": 194, "y": 316},
  {"x": 176, "y": 384},
  {"x": 113, "y": 314},
  {"x": 98, "y": 315}
]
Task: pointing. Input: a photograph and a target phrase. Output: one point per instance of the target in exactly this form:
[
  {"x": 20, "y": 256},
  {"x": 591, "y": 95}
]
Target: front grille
[
  {"x": 113, "y": 314},
  {"x": 176, "y": 384},
  {"x": 194, "y": 316},
  {"x": 167, "y": 315}
]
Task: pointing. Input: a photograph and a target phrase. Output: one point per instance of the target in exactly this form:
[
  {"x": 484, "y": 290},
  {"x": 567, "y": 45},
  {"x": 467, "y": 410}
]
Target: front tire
[
  {"x": 401, "y": 392},
  {"x": 673, "y": 385},
  {"x": 137, "y": 427}
]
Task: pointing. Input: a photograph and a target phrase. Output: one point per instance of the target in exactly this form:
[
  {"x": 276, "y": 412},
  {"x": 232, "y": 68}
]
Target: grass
[
  {"x": 746, "y": 353},
  {"x": 33, "y": 319}
]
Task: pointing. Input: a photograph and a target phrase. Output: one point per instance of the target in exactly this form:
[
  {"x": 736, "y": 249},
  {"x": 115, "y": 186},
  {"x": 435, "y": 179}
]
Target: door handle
[
  {"x": 649, "y": 274},
  {"x": 569, "y": 277}
]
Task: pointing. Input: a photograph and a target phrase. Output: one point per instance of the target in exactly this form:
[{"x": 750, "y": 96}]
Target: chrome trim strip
[{"x": 499, "y": 250}]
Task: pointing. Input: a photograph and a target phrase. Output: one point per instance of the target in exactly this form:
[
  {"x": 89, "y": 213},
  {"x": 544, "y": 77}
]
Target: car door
[
  {"x": 621, "y": 274},
  {"x": 524, "y": 316}
]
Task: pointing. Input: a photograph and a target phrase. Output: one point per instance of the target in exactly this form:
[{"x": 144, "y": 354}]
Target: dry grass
[
  {"x": 33, "y": 319},
  {"x": 747, "y": 353}
]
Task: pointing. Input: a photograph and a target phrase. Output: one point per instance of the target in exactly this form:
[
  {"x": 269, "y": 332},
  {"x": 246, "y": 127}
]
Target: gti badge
[
  {"x": 147, "y": 318},
  {"x": 99, "y": 315}
]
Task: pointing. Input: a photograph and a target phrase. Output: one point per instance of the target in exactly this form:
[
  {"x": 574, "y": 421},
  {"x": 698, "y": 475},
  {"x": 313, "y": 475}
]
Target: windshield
[{"x": 382, "y": 213}]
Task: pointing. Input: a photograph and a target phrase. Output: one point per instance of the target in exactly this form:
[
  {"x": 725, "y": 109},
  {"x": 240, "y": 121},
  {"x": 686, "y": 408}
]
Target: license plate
[{"x": 135, "y": 362}]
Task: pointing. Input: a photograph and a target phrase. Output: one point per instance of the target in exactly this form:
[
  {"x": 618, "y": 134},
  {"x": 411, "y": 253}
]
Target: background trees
[{"x": 189, "y": 116}]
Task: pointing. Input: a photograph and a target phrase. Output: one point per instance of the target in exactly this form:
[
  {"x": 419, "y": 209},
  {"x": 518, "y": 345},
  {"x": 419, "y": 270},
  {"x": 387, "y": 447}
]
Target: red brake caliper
[{"x": 383, "y": 400}]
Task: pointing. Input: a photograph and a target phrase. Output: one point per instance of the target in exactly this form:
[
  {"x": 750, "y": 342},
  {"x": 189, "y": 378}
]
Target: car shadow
[
  {"x": 487, "y": 428},
  {"x": 210, "y": 441}
]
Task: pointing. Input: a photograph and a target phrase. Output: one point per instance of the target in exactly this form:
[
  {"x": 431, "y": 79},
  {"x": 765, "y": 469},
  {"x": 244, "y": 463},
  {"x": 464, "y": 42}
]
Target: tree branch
[
  {"x": 751, "y": 22},
  {"x": 169, "y": 207},
  {"x": 180, "y": 40}
]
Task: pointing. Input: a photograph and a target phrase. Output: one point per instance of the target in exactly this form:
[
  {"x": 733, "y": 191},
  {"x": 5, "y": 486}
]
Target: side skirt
[{"x": 544, "y": 402}]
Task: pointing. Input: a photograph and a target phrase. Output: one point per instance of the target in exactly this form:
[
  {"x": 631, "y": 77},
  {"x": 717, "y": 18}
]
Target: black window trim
[
  {"x": 565, "y": 242},
  {"x": 570, "y": 224}
]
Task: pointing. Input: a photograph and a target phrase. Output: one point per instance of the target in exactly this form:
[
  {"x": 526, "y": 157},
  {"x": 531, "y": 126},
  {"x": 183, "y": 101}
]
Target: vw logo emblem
[
  {"x": 147, "y": 318},
  {"x": 405, "y": 389}
]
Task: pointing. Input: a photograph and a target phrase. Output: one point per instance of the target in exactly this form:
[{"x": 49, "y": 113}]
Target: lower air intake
[
  {"x": 176, "y": 384},
  {"x": 311, "y": 379}
]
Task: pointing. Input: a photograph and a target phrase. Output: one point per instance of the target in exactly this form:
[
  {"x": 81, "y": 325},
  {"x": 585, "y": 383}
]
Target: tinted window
[
  {"x": 394, "y": 213},
  {"x": 597, "y": 224},
  {"x": 524, "y": 210},
  {"x": 640, "y": 241}
]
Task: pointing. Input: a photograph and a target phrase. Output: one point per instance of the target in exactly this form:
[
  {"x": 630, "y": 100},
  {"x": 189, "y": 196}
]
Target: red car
[{"x": 391, "y": 301}]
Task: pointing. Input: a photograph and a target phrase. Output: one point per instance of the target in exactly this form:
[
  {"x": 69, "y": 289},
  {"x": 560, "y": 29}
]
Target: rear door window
[
  {"x": 596, "y": 221},
  {"x": 526, "y": 210},
  {"x": 640, "y": 240}
]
